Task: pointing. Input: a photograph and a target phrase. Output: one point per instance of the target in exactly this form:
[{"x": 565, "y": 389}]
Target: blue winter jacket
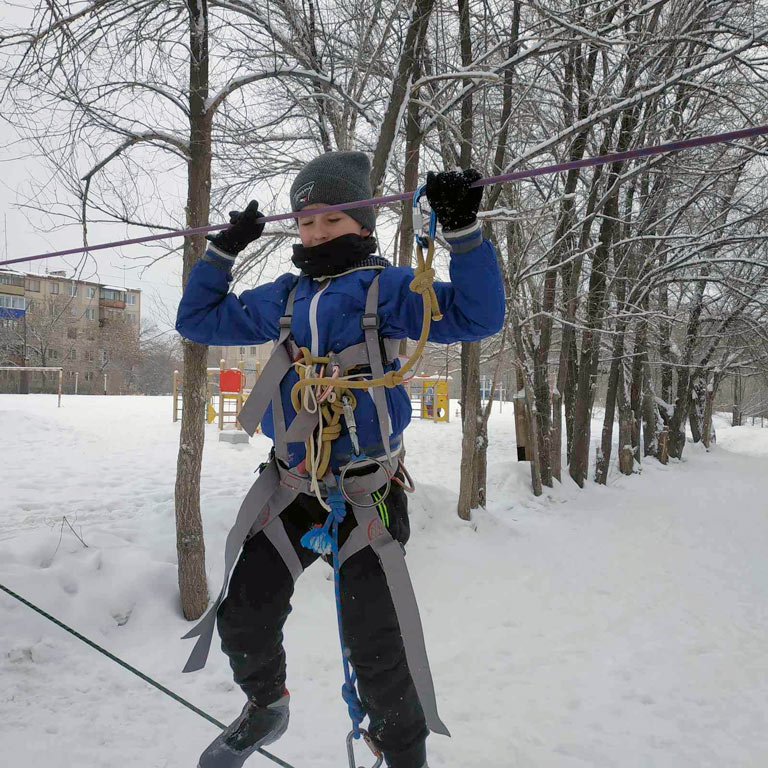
[{"x": 326, "y": 317}]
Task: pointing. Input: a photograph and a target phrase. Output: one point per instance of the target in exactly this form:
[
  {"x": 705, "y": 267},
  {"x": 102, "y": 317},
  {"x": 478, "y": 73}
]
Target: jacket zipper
[{"x": 314, "y": 336}]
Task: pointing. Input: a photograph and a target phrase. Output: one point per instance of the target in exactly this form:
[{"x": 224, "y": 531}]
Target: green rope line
[{"x": 135, "y": 671}]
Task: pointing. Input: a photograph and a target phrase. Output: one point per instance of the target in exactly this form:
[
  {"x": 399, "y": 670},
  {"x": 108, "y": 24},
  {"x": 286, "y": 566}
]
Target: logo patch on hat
[{"x": 303, "y": 193}]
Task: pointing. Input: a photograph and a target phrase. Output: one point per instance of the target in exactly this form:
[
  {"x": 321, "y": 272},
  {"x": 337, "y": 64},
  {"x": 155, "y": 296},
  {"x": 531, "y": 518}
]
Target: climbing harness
[
  {"x": 133, "y": 670},
  {"x": 529, "y": 173},
  {"x": 322, "y": 397}
]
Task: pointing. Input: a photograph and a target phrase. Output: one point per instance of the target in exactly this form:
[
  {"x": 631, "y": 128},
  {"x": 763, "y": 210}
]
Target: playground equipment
[
  {"x": 225, "y": 394},
  {"x": 430, "y": 396},
  {"x": 231, "y": 387},
  {"x": 25, "y": 369}
]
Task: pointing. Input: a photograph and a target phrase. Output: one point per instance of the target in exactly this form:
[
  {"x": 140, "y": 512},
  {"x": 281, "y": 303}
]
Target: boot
[{"x": 255, "y": 727}]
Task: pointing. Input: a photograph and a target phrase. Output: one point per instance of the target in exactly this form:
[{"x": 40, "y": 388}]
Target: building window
[
  {"x": 91, "y": 292},
  {"x": 131, "y": 318},
  {"x": 71, "y": 333},
  {"x": 90, "y": 314},
  {"x": 112, "y": 295},
  {"x": 89, "y": 375},
  {"x": 242, "y": 351},
  {"x": 54, "y": 287},
  {"x": 73, "y": 290},
  {"x": 103, "y": 356},
  {"x": 12, "y": 302},
  {"x": 6, "y": 278},
  {"x": 74, "y": 312},
  {"x": 254, "y": 350},
  {"x": 131, "y": 298},
  {"x": 89, "y": 356},
  {"x": 33, "y": 285},
  {"x": 53, "y": 354},
  {"x": 73, "y": 354}
]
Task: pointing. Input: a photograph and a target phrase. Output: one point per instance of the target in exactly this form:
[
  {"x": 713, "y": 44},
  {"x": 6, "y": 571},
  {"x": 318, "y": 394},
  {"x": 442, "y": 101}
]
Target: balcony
[
  {"x": 111, "y": 304},
  {"x": 111, "y": 297}
]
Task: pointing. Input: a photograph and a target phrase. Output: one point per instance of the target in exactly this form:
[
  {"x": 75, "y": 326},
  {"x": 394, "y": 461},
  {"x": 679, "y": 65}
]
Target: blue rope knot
[
  {"x": 322, "y": 539},
  {"x": 354, "y": 705}
]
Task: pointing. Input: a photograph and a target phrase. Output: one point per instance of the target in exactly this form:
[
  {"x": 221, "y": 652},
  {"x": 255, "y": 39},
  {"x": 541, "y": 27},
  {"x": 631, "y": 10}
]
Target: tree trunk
[
  {"x": 532, "y": 446},
  {"x": 401, "y": 86},
  {"x": 533, "y": 434},
  {"x": 189, "y": 527},
  {"x": 603, "y": 460},
  {"x": 738, "y": 397},
  {"x": 470, "y": 414},
  {"x": 590, "y": 347},
  {"x": 697, "y": 408},
  {"x": 626, "y": 422},
  {"x": 707, "y": 432},
  {"x": 651, "y": 420},
  {"x": 474, "y": 445},
  {"x": 637, "y": 386},
  {"x": 684, "y": 377}
]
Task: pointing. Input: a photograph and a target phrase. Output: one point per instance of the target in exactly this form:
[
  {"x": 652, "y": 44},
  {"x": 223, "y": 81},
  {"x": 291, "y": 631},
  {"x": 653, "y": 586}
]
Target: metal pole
[
  {"x": 61, "y": 371},
  {"x": 77, "y": 374}
]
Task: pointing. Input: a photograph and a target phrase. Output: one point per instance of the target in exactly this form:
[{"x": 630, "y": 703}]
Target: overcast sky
[{"x": 24, "y": 231}]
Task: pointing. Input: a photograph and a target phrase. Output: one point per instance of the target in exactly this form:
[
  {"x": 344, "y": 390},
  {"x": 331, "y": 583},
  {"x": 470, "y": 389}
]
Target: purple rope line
[{"x": 631, "y": 154}]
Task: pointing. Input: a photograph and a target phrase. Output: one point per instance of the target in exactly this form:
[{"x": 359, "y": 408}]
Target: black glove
[
  {"x": 244, "y": 229},
  {"x": 451, "y": 198}
]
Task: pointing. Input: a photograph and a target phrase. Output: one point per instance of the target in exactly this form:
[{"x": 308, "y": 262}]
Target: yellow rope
[{"x": 318, "y": 459}]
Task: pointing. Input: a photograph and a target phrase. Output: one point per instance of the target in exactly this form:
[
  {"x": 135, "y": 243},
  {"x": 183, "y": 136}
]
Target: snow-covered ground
[{"x": 621, "y": 626}]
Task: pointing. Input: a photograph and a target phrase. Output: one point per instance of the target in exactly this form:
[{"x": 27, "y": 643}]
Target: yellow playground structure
[{"x": 430, "y": 397}]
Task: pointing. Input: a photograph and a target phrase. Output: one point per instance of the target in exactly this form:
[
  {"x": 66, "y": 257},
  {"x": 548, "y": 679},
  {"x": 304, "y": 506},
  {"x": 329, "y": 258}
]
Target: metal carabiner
[
  {"x": 418, "y": 219},
  {"x": 372, "y": 747},
  {"x": 363, "y": 460}
]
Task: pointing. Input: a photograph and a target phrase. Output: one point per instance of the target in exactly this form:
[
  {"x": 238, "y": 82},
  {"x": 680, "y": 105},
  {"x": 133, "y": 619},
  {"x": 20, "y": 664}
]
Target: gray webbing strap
[
  {"x": 278, "y": 424},
  {"x": 370, "y": 324},
  {"x": 392, "y": 561},
  {"x": 276, "y": 533},
  {"x": 357, "y": 485},
  {"x": 392, "y": 348},
  {"x": 357, "y": 354},
  {"x": 302, "y": 426},
  {"x": 356, "y": 541},
  {"x": 268, "y": 382},
  {"x": 266, "y": 499}
]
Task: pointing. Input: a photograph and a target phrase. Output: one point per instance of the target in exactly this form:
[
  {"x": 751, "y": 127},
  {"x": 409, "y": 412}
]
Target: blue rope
[{"x": 325, "y": 540}]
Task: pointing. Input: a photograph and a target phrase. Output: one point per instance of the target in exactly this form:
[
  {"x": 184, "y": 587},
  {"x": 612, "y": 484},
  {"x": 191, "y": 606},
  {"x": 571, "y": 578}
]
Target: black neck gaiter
[{"x": 334, "y": 256}]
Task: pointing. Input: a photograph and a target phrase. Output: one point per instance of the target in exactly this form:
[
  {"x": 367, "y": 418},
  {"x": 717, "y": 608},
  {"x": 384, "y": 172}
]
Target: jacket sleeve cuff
[
  {"x": 463, "y": 240},
  {"x": 219, "y": 258}
]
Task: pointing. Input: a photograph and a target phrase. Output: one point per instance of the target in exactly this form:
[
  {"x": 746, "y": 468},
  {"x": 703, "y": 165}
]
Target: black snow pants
[{"x": 251, "y": 619}]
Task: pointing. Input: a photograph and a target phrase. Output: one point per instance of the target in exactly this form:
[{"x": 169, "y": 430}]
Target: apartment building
[{"x": 89, "y": 329}]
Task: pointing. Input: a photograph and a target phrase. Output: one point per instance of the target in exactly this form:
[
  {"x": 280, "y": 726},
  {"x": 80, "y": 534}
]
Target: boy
[{"x": 327, "y": 310}]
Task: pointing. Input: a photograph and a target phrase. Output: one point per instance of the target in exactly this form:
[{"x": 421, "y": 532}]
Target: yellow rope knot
[
  {"x": 422, "y": 281},
  {"x": 328, "y": 405}
]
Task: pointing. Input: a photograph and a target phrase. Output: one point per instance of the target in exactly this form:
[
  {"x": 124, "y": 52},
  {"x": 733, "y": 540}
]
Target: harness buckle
[
  {"x": 285, "y": 321},
  {"x": 370, "y": 322}
]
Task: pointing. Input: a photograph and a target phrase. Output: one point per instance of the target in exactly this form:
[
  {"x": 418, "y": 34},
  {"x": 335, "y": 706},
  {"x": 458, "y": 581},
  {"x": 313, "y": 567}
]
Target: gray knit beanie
[{"x": 336, "y": 177}]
